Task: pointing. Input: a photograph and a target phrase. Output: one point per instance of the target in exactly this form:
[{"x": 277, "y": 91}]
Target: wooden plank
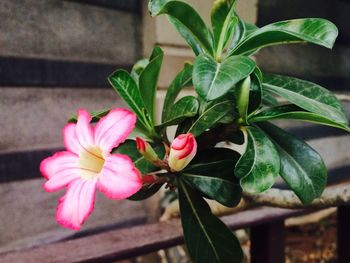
[
  {"x": 126, "y": 5},
  {"x": 70, "y": 31},
  {"x": 27, "y": 216},
  {"x": 267, "y": 243},
  {"x": 54, "y": 73},
  {"x": 139, "y": 240},
  {"x": 343, "y": 238},
  {"x": 35, "y": 117},
  {"x": 22, "y": 165}
]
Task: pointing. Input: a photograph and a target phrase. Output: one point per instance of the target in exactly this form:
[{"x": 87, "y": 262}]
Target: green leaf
[
  {"x": 213, "y": 80},
  {"x": 95, "y": 115},
  {"x": 149, "y": 79},
  {"x": 127, "y": 88},
  {"x": 138, "y": 68},
  {"x": 129, "y": 148},
  {"x": 294, "y": 112},
  {"x": 242, "y": 98},
  {"x": 222, "y": 19},
  {"x": 260, "y": 164},
  {"x": 314, "y": 30},
  {"x": 193, "y": 30},
  {"x": 269, "y": 99},
  {"x": 211, "y": 116},
  {"x": 145, "y": 192},
  {"x": 255, "y": 95},
  {"x": 240, "y": 31},
  {"x": 207, "y": 238},
  {"x": 183, "y": 79},
  {"x": 186, "y": 107},
  {"x": 215, "y": 177},
  {"x": 308, "y": 96},
  {"x": 301, "y": 166}
]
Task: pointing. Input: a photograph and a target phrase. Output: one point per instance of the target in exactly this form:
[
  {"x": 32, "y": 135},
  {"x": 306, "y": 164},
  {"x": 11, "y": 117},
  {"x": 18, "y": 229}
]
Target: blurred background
[{"x": 55, "y": 57}]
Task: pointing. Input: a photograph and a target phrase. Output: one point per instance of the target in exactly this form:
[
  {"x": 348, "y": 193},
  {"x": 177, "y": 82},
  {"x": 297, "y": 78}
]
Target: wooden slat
[
  {"x": 69, "y": 31},
  {"x": 126, "y": 5},
  {"x": 54, "y": 73},
  {"x": 27, "y": 216},
  {"x": 139, "y": 240},
  {"x": 22, "y": 165}
]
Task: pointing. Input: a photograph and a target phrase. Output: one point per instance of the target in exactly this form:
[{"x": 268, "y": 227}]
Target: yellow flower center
[{"x": 91, "y": 162}]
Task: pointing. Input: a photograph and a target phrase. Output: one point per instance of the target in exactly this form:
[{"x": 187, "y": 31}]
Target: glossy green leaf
[
  {"x": 207, "y": 238},
  {"x": 127, "y": 88},
  {"x": 294, "y": 112},
  {"x": 149, "y": 79},
  {"x": 213, "y": 80},
  {"x": 255, "y": 95},
  {"x": 314, "y": 30},
  {"x": 308, "y": 96},
  {"x": 129, "y": 148},
  {"x": 211, "y": 116},
  {"x": 269, "y": 99},
  {"x": 301, "y": 166},
  {"x": 138, "y": 68},
  {"x": 186, "y": 107},
  {"x": 95, "y": 115},
  {"x": 242, "y": 98},
  {"x": 214, "y": 176},
  {"x": 222, "y": 19},
  {"x": 240, "y": 31},
  {"x": 183, "y": 79},
  {"x": 193, "y": 30},
  {"x": 260, "y": 164},
  {"x": 145, "y": 192}
]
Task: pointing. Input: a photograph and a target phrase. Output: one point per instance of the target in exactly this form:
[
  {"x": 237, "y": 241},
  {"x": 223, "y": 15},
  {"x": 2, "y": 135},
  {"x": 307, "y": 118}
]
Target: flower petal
[
  {"x": 57, "y": 163},
  {"x": 113, "y": 129},
  {"x": 119, "y": 179},
  {"x": 84, "y": 130},
  {"x": 79, "y": 137},
  {"x": 77, "y": 204},
  {"x": 70, "y": 139}
]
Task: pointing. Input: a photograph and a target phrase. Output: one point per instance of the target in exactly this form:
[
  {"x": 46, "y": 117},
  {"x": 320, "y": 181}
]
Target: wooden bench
[
  {"x": 118, "y": 230},
  {"x": 267, "y": 239}
]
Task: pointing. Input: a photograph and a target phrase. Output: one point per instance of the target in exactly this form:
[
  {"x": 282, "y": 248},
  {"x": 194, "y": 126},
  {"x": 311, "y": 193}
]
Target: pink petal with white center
[
  {"x": 79, "y": 137},
  {"x": 113, "y": 129},
  {"x": 57, "y": 163},
  {"x": 119, "y": 179},
  {"x": 61, "y": 179},
  {"x": 70, "y": 139},
  {"x": 77, "y": 204},
  {"x": 83, "y": 130}
]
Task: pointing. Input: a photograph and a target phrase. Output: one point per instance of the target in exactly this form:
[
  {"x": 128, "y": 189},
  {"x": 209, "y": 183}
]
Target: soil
[{"x": 312, "y": 243}]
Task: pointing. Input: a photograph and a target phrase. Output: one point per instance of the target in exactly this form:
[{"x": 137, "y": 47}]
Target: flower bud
[
  {"x": 182, "y": 151},
  {"x": 146, "y": 150}
]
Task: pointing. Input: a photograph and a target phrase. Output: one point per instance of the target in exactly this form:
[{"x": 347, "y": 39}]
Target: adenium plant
[{"x": 234, "y": 102}]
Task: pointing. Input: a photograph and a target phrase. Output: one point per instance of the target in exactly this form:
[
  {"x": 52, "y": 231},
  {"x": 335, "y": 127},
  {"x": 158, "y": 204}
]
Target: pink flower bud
[
  {"x": 182, "y": 151},
  {"x": 146, "y": 150}
]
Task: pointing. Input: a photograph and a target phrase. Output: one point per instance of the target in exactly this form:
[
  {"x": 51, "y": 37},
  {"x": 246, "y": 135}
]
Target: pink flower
[
  {"x": 182, "y": 151},
  {"x": 88, "y": 164}
]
